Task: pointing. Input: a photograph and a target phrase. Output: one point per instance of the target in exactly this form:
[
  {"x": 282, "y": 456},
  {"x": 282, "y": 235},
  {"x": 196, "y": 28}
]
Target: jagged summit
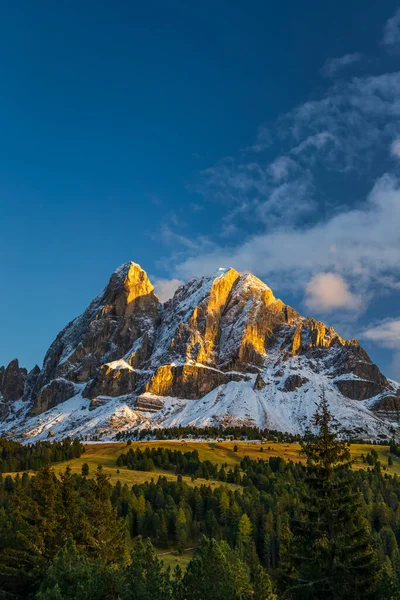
[
  {"x": 128, "y": 283},
  {"x": 222, "y": 350}
]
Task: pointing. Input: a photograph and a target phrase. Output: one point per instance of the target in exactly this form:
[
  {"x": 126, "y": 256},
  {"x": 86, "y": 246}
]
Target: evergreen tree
[
  {"x": 262, "y": 585},
  {"x": 145, "y": 577},
  {"x": 73, "y": 576},
  {"x": 330, "y": 554},
  {"x": 108, "y": 537},
  {"x": 216, "y": 572}
]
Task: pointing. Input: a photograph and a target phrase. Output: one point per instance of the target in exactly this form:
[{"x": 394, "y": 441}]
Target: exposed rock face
[
  {"x": 259, "y": 383},
  {"x": 225, "y": 322},
  {"x": 148, "y": 403},
  {"x": 118, "y": 323},
  {"x": 388, "y": 407},
  {"x": 187, "y": 381},
  {"x": 310, "y": 334},
  {"x": 52, "y": 394},
  {"x": 359, "y": 389},
  {"x": 215, "y": 332},
  {"x": 113, "y": 379},
  {"x": 293, "y": 382},
  {"x": 12, "y": 381}
]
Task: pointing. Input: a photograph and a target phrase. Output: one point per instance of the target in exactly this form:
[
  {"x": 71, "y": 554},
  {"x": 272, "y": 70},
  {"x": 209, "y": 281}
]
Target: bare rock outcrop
[
  {"x": 292, "y": 382},
  {"x": 148, "y": 403},
  {"x": 187, "y": 381},
  {"x": 55, "y": 392},
  {"x": 388, "y": 407},
  {"x": 12, "y": 381},
  {"x": 113, "y": 379}
]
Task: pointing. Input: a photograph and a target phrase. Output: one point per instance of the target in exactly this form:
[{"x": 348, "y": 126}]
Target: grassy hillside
[{"x": 106, "y": 454}]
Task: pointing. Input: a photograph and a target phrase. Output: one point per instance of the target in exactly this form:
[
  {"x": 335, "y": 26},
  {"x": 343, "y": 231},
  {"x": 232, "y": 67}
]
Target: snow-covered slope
[{"x": 222, "y": 351}]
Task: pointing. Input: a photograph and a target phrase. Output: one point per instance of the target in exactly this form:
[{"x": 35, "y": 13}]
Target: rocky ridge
[{"x": 222, "y": 350}]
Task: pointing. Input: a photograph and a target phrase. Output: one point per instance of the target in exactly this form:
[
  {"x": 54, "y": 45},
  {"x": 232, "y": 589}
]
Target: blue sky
[{"x": 186, "y": 136}]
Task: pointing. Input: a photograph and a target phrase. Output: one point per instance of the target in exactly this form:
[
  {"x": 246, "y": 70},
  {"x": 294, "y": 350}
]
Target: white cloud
[
  {"x": 165, "y": 288},
  {"x": 391, "y": 34},
  {"x": 333, "y": 65},
  {"x": 342, "y": 132},
  {"x": 395, "y": 366},
  {"x": 264, "y": 139},
  {"x": 395, "y": 148},
  {"x": 362, "y": 245},
  {"x": 281, "y": 168},
  {"x": 329, "y": 291},
  {"x": 314, "y": 142},
  {"x": 386, "y": 333}
]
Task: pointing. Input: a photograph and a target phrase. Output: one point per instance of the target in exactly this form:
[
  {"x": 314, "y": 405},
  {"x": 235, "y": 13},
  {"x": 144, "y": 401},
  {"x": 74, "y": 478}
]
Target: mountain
[{"x": 222, "y": 351}]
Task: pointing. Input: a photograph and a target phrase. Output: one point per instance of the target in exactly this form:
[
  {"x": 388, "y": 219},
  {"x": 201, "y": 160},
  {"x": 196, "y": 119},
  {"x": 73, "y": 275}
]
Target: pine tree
[
  {"x": 262, "y": 585},
  {"x": 146, "y": 578},
  {"x": 74, "y": 576},
  {"x": 216, "y": 573},
  {"x": 181, "y": 530},
  {"x": 108, "y": 536},
  {"x": 330, "y": 555}
]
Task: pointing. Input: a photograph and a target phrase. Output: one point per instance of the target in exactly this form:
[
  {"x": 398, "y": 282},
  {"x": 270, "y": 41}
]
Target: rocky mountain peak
[
  {"x": 12, "y": 381},
  {"x": 129, "y": 288},
  {"x": 224, "y": 343}
]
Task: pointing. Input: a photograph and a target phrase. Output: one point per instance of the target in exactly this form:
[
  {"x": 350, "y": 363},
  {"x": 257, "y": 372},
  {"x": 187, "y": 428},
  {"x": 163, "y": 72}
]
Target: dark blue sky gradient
[{"x": 108, "y": 112}]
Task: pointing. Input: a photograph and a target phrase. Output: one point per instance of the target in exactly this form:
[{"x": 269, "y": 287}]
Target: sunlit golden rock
[{"x": 187, "y": 381}]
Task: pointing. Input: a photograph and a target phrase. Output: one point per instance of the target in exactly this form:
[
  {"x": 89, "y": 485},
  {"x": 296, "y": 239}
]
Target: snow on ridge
[
  {"x": 233, "y": 403},
  {"x": 119, "y": 364}
]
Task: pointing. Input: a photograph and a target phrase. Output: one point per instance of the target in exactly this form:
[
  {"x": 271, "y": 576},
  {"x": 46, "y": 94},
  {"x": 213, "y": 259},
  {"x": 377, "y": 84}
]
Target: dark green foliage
[
  {"x": 216, "y": 572},
  {"x": 17, "y": 457},
  {"x": 145, "y": 578},
  {"x": 394, "y": 448},
  {"x": 182, "y": 463},
  {"x": 226, "y": 433},
  {"x": 72, "y": 575},
  {"x": 329, "y": 551},
  {"x": 41, "y": 514}
]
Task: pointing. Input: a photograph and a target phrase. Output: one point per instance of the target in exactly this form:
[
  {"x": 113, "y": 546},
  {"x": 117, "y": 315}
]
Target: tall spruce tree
[{"x": 329, "y": 554}]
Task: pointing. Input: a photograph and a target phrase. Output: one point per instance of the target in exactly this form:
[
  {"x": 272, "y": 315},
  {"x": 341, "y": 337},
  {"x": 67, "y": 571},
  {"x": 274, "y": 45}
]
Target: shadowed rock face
[
  {"x": 214, "y": 330},
  {"x": 12, "y": 381},
  {"x": 55, "y": 392},
  {"x": 112, "y": 381},
  {"x": 293, "y": 382},
  {"x": 388, "y": 407}
]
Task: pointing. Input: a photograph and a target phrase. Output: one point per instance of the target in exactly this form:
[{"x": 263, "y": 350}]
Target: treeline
[
  {"x": 394, "y": 448},
  {"x": 241, "y": 433},
  {"x": 224, "y": 433},
  {"x": 181, "y": 463},
  {"x": 18, "y": 457}
]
